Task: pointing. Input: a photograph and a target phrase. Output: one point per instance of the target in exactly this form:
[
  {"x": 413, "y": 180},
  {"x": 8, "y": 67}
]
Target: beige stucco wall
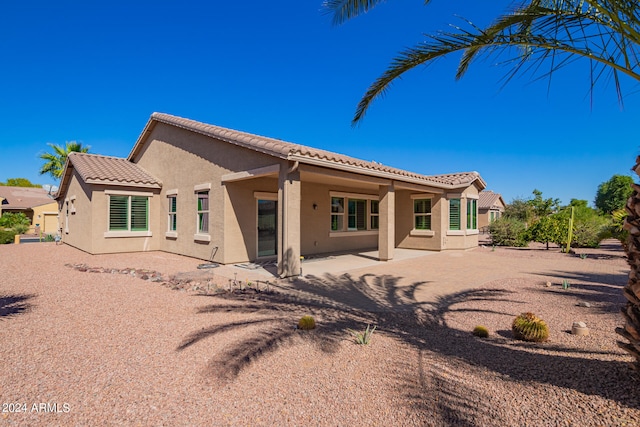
[
  {"x": 241, "y": 213},
  {"x": 88, "y": 219},
  {"x": 463, "y": 238},
  {"x": 133, "y": 243},
  {"x": 316, "y": 236},
  {"x": 407, "y": 239},
  {"x": 182, "y": 160},
  {"x": 80, "y": 231}
]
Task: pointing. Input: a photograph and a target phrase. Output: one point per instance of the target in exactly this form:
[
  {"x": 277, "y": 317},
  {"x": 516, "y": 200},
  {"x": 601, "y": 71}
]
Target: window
[
  {"x": 128, "y": 213},
  {"x": 352, "y": 212},
  {"x": 472, "y": 214},
  {"x": 454, "y": 214},
  {"x": 357, "y": 215},
  {"x": 337, "y": 213},
  {"x": 173, "y": 203},
  {"x": 375, "y": 215},
  {"x": 203, "y": 211},
  {"x": 422, "y": 214}
]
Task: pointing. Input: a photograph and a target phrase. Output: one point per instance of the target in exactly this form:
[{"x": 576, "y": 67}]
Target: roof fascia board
[
  {"x": 66, "y": 176},
  {"x": 375, "y": 173},
  {"x": 252, "y": 173},
  {"x": 121, "y": 184},
  {"x": 143, "y": 135}
]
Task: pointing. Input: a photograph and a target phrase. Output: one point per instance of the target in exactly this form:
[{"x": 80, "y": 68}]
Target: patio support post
[
  {"x": 289, "y": 222},
  {"x": 386, "y": 233}
]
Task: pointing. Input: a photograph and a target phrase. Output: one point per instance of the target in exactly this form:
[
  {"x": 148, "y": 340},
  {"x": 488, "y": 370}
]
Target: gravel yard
[{"x": 105, "y": 348}]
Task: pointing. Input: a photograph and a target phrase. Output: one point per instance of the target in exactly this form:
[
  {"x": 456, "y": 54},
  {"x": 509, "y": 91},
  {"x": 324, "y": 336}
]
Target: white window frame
[
  {"x": 470, "y": 198},
  {"x": 172, "y": 216},
  {"x": 345, "y": 230},
  {"x": 420, "y": 232},
  {"x": 203, "y": 235},
  {"x": 373, "y": 214},
  {"x": 129, "y": 233}
]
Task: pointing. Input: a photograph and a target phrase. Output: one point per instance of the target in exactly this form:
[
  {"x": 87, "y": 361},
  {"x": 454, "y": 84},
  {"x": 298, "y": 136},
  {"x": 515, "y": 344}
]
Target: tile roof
[
  {"x": 304, "y": 154},
  {"x": 96, "y": 169},
  {"x": 24, "y": 197},
  {"x": 488, "y": 199}
]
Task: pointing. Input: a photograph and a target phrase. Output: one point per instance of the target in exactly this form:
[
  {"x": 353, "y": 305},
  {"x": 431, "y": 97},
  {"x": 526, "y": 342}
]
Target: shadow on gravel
[
  {"x": 344, "y": 301},
  {"x": 12, "y": 305},
  {"x": 602, "y": 290}
]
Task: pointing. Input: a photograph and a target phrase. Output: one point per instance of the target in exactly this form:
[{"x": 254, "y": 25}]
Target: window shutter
[
  {"x": 454, "y": 214},
  {"x": 118, "y": 212},
  {"x": 139, "y": 211}
]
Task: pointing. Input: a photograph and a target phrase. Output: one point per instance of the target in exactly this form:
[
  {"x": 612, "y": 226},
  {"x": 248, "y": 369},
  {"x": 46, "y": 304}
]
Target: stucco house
[
  {"x": 218, "y": 194},
  {"x": 36, "y": 203},
  {"x": 490, "y": 207}
]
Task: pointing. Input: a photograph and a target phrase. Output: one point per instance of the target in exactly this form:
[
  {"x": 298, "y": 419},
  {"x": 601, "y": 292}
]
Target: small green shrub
[
  {"x": 7, "y": 236},
  {"x": 588, "y": 233},
  {"x": 566, "y": 284},
  {"x": 529, "y": 327},
  {"x": 49, "y": 238},
  {"x": 508, "y": 232},
  {"x": 17, "y": 222},
  {"x": 481, "y": 331},
  {"x": 306, "y": 323},
  {"x": 363, "y": 338}
]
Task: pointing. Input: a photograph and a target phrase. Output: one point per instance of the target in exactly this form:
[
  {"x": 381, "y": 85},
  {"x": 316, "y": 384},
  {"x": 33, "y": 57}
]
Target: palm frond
[
  {"x": 551, "y": 32},
  {"x": 344, "y": 10}
]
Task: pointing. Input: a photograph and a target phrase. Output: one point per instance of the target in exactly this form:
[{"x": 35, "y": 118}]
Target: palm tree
[
  {"x": 540, "y": 32},
  {"x": 55, "y": 161}
]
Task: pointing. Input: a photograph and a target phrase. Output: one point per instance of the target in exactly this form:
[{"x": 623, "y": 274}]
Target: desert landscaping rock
[
  {"x": 580, "y": 329},
  {"x": 120, "y": 350}
]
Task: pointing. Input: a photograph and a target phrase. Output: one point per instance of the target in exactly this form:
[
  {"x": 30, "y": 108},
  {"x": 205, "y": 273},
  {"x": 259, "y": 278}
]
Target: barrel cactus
[
  {"x": 529, "y": 327},
  {"x": 306, "y": 323},
  {"x": 481, "y": 331}
]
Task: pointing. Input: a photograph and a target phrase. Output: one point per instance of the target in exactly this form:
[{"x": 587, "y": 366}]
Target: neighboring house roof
[
  {"x": 304, "y": 154},
  {"x": 106, "y": 170},
  {"x": 22, "y": 198},
  {"x": 488, "y": 200}
]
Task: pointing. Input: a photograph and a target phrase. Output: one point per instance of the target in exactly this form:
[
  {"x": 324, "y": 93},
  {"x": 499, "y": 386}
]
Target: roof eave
[
  {"x": 123, "y": 184},
  {"x": 380, "y": 174},
  {"x": 66, "y": 176}
]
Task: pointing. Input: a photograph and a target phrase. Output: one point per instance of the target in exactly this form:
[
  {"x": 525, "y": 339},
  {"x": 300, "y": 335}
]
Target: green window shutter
[
  {"x": 139, "y": 213},
  {"x": 118, "y": 213},
  {"x": 454, "y": 214}
]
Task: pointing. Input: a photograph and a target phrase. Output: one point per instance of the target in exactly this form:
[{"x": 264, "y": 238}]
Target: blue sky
[{"x": 95, "y": 72}]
